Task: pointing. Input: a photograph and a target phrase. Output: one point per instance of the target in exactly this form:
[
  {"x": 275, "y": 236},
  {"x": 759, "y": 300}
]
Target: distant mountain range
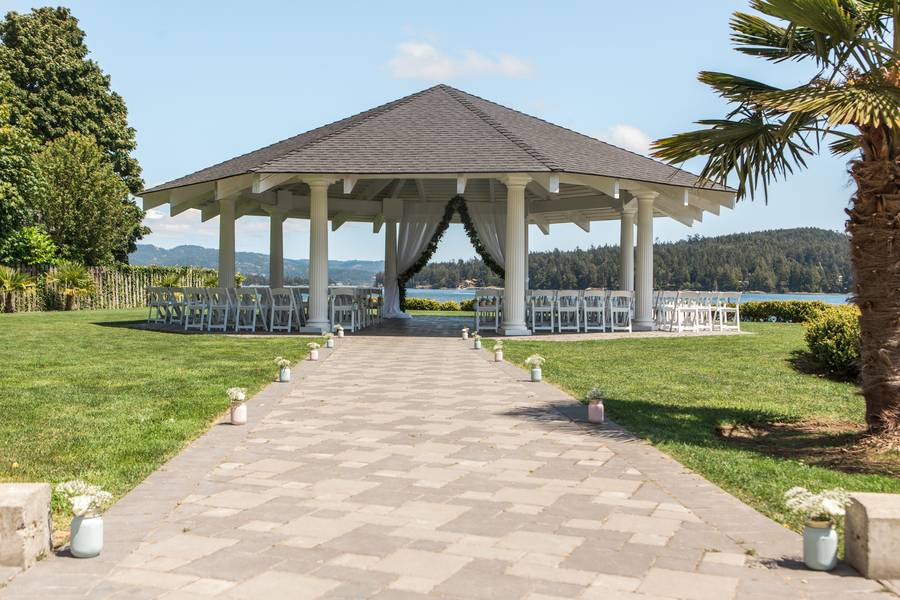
[{"x": 255, "y": 265}]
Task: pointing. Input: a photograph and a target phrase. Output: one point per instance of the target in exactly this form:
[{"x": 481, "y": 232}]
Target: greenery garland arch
[{"x": 457, "y": 204}]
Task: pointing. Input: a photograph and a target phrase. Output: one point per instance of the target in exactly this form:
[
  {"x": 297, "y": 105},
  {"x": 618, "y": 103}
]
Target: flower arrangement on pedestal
[
  {"x": 87, "y": 503},
  {"x": 822, "y": 512}
]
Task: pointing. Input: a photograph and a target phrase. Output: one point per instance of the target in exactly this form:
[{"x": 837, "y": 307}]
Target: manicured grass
[
  {"x": 677, "y": 392},
  {"x": 83, "y": 396}
]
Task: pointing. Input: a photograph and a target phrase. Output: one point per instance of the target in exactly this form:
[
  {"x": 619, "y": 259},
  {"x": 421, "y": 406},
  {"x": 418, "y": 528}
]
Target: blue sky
[{"x": 205, "y": 81}]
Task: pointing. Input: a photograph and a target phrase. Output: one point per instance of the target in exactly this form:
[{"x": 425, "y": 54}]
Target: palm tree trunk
[
  {"x": 70, "y": 301},
  {"x": 8, "y": 302},
  {"x": 874, "y": 228}
]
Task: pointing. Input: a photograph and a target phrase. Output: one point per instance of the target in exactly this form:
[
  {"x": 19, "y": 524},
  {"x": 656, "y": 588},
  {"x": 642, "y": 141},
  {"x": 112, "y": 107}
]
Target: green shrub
[
  {"x": 450, "y": 305},
  {"x": 785, "y": 311},
  {"x": 422, "y": 304},
  {"x": 467, "y": 305},
  {"x": 833, "y": 338}
]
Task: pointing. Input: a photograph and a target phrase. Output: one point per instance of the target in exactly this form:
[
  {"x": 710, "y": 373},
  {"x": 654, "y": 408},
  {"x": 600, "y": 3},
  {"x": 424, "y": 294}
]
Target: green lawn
[
  {"x": 81, "y": 396},
  {"x": 676, "y": 392}
]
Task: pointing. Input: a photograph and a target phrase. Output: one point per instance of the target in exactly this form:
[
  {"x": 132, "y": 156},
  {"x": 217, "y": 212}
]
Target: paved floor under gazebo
[{"x": 412, "y": 467}]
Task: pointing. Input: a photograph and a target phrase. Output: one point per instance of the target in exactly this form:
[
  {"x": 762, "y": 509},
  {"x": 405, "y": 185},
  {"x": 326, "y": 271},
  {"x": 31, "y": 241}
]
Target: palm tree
[
  {"x": 75, "y": 279},
  {"x": 852, "y": 99},
  {"x": 13, "y": 280}
]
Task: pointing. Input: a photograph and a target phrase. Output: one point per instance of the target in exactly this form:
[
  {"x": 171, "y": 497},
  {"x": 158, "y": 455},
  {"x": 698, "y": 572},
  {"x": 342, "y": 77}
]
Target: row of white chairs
[
  {"x": 697, "y": 311},
  {"x": 560, "y": 310},
  {"x": 252, "y": 307}
]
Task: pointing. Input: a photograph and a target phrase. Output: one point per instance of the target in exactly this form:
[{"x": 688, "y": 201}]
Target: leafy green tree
[
  {"x": 11, "y": 281},
  {"x": 852, "y": 98},
  {"x": 81, "y": 203},
  {"x": 28, "y": 246},
  {"x": 16, "y": 149},
  {"x": 59, "y": 89}
]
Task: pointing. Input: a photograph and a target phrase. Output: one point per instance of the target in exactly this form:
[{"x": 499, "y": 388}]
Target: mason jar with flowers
[
  {"x": 329, "y": 340},
  {"x": 284, "y": 369},
  {"x": 498, "y": 351},
  {"x": 339, "y": 330},
  {"x": 87, "y": 503},
  {"x": 238, "y": 397},
  {"x": 313, "y": 350},
  {"x": 822, "y": 512},
  {"x": 534, "y": 362},
  {"x": 476, "y": 341},
  {"x": 594, "y": 401}
]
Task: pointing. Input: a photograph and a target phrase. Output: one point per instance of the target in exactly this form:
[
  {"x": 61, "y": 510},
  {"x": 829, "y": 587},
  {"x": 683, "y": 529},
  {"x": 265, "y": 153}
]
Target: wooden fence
[{"x": 115, "y": 287}]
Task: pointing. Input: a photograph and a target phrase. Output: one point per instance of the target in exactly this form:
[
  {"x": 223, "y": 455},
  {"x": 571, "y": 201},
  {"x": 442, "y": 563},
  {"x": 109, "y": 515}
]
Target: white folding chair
[
  {"x": 158, "y": 304},
  {"x": 299, "y": 304},
  {"x": 541, "y": 305},
  {"x": 219, "y": 309},
  {"x": 687, "y": 311},
  {"x": 343, "y": 307},
  {"x": 195, "y": 308},
  {"x": 620, "y": 310},
  {"x": 568, "y": 309},
  {"x": 283, "y": 309},
  {"x": 728, "y": 311},
  {"x": 487, "y": 309},
  {"x": 265, "y": 306},
  {"x": 247, "y": 309},
  {"x": 706, "y": 309},
  {"x": 176, "y": 305},
  {"x": 594, "y": 307}
]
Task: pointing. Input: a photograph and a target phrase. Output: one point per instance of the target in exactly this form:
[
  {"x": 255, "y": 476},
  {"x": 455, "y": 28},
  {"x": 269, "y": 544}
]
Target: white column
[
  {"x": 514, "y": 255},
  {"x": 226, "y": 242},
  {"x": 319, "y": 319},
  {"x": 643, "y": 289},
  {"x": 626, "y": 247},
  {"x": 276, "y": 249}
]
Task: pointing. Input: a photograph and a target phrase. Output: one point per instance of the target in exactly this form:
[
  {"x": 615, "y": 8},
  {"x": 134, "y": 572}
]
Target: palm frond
[
  {"x": 862, "y": 104},
  {"x": 845, "y": 143},
  {"x": 756, "y": 36},
  {"x": 733, "y": 87},
  {"x": 832, "y": 18},
  {"x": 755, "y": 149}
]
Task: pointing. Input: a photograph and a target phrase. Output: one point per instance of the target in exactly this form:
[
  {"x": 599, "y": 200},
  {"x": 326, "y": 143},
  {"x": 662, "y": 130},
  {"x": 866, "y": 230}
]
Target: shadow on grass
[
  {"x": 827, "y": 444},
  {"x": 804, "y": 362}
]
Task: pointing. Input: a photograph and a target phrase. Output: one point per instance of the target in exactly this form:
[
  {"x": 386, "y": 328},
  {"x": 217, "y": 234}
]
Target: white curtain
[
  {"x": 417, "y": 226},
  {"x": 489, "y": 220}
]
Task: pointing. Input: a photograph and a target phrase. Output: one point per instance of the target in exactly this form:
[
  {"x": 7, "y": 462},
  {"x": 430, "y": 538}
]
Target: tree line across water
[{"x": 783, "y": 260}]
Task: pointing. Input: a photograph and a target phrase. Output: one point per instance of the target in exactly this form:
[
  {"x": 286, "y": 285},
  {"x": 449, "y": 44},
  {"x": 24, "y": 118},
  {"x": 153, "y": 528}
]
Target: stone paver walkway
[{"x": 413, "y": 467}]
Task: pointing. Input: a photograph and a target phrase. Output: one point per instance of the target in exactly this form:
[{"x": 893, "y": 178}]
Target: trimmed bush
[
  {"x": 422, "y": 304},
  {"x": 467, "y": 305},
  {"x": 833, "y": 338},
  {"x": 784, "y": 311},
  {"x": 450, "y": 305}
]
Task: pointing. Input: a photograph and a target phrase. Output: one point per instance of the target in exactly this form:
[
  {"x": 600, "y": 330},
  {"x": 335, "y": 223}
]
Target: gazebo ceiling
[{"x": 432, "y": 144}]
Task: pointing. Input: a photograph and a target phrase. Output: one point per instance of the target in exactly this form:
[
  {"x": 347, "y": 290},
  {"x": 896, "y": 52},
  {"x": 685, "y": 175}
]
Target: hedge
[
  {"x": 431, "y": 304},
  {"x": 785, "y": 311},
  {"x": 833, "y": 338},
  {"x": 122, "y": 286}
]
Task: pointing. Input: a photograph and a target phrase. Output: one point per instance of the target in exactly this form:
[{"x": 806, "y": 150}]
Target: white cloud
[
  {"x": 420, "y": 60},
  {"x": 628, "y": 137},
  {"x": 153, "y": 215}
]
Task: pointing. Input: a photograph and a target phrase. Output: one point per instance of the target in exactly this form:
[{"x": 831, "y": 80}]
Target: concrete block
[
  {"x": 25, "y": 525},
  {"x": 872, "y": 535}
]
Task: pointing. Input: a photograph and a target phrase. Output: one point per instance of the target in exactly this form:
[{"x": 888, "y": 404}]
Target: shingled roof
[{"x": 443, "y": 130}]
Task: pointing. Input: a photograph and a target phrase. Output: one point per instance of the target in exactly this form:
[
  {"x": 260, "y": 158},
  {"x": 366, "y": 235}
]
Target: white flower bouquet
[
  {"x": 236, "y": 394},
  {"x": 85, "y": 500},
  {"x": 313, "y": 346},
  {"x": 828, "y": 505},
  {"x": 282, "y": 362},
  {"x": 535, "y": 361},
  {"x": 328, "y": 336}
]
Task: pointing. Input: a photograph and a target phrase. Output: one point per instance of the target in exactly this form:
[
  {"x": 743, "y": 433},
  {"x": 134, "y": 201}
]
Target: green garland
[{"x": 456, "y": 204}]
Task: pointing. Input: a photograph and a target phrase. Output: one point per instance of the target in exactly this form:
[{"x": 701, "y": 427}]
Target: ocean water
[{"x": 443, "y": 295}]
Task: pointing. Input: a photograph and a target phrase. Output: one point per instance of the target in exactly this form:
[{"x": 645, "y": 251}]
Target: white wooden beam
[
  {"x": 338, "y": 220},
  {"x": 420, "y": 189},
  {"x": 349, "y": 184},
  {"x": 210, "y": 211},
  {"x": 154, "y": 199},
  {"x": 266, "y": 181},
  {"x": 683, "y": 214},
  {"x": 542, "y": 223},
  {"x": 461, "y": 184},
  {"x": 232, "y": 186},
  {"x": 491, "y": 193},
  {"x": 549, "y": 182},
  {"x": 376, "y": 188},
  {"x": 582, "y": 222},
  {"x": 607, "y": 185},
  {"x": 377, "y": 222},
  {"x": 574, "y": 204}
]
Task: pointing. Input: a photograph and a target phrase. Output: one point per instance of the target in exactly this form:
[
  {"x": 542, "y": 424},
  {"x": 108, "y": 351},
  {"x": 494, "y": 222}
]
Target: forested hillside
[{"x": 796, "y": 260}]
